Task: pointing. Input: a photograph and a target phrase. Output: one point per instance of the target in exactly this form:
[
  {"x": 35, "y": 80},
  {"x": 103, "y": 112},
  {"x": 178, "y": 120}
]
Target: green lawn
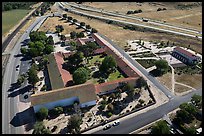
[
  {"x": 11, "y": 18},
  {"x": 94, "y": 59},
  {"x": 115, "y": 75}
]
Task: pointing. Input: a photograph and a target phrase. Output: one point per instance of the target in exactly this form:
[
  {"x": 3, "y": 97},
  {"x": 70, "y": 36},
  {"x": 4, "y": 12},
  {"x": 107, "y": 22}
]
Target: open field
[
  {"x": 180, "y": 88},
  {"x": 194, "y": 80},
  {"x": 166, "y": 80},
  {"x": 11, "y": 18},
  {"x": 120, "y": 35},
  {"x": 187, "y": 17},
  {"x": 51, "y": 22}
]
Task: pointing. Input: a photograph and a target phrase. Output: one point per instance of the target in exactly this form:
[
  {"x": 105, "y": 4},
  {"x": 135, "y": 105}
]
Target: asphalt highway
[{"x": 10, "y": 97}]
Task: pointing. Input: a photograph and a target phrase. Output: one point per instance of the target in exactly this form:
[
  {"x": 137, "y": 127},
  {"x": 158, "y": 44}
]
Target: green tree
[
  {"x": 48, "y": 49},
  {"x": 81, "y": 75},
  {"x": 74, "y": 123},
  {"x": 73, "y": 35},
  {"x": 33, "y": 52},
  {"x": 197, "y": 100},
  {"x": 88, "y": 27},
  {"x": 42, "y": 113},
  {"x": 64, "y": 16},
  {"x": 82, "y": 24},
  {"x": 191, "y": 130},
  {"x": 62, "y": 37},
  {"x": 160, "y": 128},
  {"x": 74, "y": 20},
  {"x": 69, "y": 18},
  {"x": 32, "y": 76},
  {"x": 162, "y": 66},
  {"x": 76, "y": 58},
  {"x": 50, "y": 40},
  {"x": 37, "y": 36},
  {"x": 31, "y": 44},
  {"x": 39, "y": 128},
  {"x": 110, "y": 107},
  {"x": 127, "y": 87},
  {"x": 20, "y": 79},
  {"x": 141, "y": 82},
  {"x": 108, "y": 64},
  {"x": 40, "y": 47},
  {"x": 190, "y": 108},
  {"x": 94, "y": 30},
  {"x": 23, "y": 51},
  {"x": 80, "y": 35}
]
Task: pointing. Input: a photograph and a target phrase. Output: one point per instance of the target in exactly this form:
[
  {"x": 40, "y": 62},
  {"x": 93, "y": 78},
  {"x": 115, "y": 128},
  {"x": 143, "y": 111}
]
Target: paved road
[
  {"x": 83, "y": 7},
  {"x": 126, "y": 22},
  {"x": 129, "y": 125},
  {"x": 10, "y": 104}
]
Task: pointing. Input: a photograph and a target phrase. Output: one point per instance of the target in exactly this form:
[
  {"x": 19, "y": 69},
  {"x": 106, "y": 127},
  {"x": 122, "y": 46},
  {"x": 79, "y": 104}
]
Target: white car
[
  {"x": 115, "y": 123},
  {"x": 107, "y": 127}
]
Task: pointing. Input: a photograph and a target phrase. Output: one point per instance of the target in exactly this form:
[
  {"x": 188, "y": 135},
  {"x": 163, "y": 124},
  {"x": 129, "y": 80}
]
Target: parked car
[
  {"x": 115, "y": 123},
  {"x": 107, "y": 127}
]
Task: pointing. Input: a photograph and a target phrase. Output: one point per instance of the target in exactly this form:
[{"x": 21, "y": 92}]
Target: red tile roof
[
  {"x": 190, "y": 55},
  {"x": 82, "y": 41},
  {"x": 66, "y": 76},
  {"x": 113, "y": 84}
]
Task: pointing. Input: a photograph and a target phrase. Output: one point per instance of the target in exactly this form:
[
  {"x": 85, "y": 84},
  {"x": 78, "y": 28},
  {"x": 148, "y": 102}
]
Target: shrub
[
  {"x": 109, "y": 114},
  {"x": 43, "y": 88}
]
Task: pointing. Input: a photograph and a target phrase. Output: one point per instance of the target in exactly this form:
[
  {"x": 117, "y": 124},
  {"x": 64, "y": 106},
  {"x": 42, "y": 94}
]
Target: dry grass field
[
  {"x": 120, "y": 35},
  {"x": 194, "y": 81},
  {"x": 187, "y": 17},
  {"x": 180, "y": 89},
  {"x": 166, "y": 80},
  {"x": 51, "y": 22}
]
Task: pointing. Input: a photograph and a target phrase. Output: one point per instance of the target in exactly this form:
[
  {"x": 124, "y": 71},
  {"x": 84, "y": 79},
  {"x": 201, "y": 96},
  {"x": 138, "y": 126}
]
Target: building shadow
[
  {"x": 20, "y": 91},
  {"x": 24, "y": 117}
]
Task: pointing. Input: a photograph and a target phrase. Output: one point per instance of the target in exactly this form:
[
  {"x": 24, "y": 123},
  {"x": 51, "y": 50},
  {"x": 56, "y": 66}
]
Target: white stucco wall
[{"x": 51, "y": 105}]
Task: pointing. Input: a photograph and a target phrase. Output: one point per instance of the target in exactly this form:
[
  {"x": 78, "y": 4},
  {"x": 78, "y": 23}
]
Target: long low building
[
  {"x": 84, "y": 94},
  {"x": 185, "y": 56}
]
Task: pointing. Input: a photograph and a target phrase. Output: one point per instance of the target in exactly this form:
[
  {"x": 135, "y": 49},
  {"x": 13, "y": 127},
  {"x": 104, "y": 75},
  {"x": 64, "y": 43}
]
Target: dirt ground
[
  {"x": 51, "y": 22},
  {"x": 187, "y": 18},
  {"x": 166, "y": 80},
  {"x": 180, "y": 89},
  {"x": 194, "y": 81},
  {"x": 120, "y": 35}
]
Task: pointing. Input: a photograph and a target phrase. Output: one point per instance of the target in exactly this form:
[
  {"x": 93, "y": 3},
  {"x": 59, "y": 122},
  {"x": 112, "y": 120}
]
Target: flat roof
[{"x": 85, "y": 93}]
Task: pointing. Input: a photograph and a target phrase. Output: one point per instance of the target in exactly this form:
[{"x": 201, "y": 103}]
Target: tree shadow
[
  {"x": 64, "y": 130},
  {"x": 13, "y": 87},
  {"x": 18, "y": 55},
  {"x": 26, "y": 58},
  {"x": 24, "y": 117},
  {"x": 155, "y": 73},
  {"x": 69, "y": 83},
  {"x": 20, "y": 91}
]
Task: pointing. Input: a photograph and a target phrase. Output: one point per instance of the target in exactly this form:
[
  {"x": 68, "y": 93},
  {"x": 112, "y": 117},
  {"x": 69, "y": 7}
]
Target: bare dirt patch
[
  {"x": 180, "y": 88},
  {"x": 166, "y": 80},
  {"x": 194, "y": 81},
  {"x": 51, "y": 22}
]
